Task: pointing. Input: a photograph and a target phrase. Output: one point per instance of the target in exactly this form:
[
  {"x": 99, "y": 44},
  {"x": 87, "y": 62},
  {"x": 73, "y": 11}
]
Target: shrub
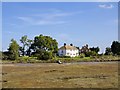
[
  {"x": 4, "y": 57},
  {"x": 82, "y": 55},
  {"x": 7, "y": 56},
  {"x": 90, "y": 53},
  {"x": 65, "y": 57},
  {"x": 45, "y": 55}
]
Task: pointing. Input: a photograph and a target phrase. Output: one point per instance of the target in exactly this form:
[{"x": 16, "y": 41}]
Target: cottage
[{"x": 68, "y": 50}]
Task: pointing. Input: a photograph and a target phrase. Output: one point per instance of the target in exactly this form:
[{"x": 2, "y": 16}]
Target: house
[{"x": 68, "y": 50}]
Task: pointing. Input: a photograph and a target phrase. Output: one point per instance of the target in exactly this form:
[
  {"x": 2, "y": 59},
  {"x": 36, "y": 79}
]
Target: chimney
[
  {"x": 71, "y": 44},
  {"x": 64, "y": 44}
]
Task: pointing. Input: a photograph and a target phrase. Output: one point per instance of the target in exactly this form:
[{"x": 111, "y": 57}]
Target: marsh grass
[
  {"x": 103, "y": 58},
  {"x": 52, "y": 75}
]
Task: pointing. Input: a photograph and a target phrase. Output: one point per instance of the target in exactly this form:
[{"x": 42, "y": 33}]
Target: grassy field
[
  {"x": 103, "y": 58},
  {"x": 53, "y": 75}
]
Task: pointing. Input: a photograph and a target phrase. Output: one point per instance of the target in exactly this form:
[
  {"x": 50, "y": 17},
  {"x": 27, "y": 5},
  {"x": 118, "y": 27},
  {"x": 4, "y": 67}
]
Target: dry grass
[{"x": 52, "y": 75}]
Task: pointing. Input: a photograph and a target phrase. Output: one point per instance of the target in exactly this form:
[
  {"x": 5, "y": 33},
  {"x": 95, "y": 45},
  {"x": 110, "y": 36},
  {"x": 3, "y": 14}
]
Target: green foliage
[
  {"x": 64, "y": 56},
  {"x": 108, "y": 51},
  {"x": 95, "y": 49},
  {"x": 44, "y": 55},
  {"x": 5, "y": 55},
  {"x": 90, "y": 53},
  {"x": 26, "y": 59},
  {"x": 29, "y": 43},
  {"x": 82, "y": 55},
  {"x": 13, "y": 50},
  {"x": 23, "y": 59},
  {"x": 26, "y": 48},
  {"x": 115, "y": 47},
  {"x": 44, "y": 45},
  {"x": 0, "y": 55},
  {"x": 24, "y": 42}
]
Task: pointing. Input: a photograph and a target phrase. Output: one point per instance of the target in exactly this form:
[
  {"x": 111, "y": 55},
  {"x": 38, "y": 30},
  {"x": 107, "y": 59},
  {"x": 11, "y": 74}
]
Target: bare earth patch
[{"x": 53, "y": 75}]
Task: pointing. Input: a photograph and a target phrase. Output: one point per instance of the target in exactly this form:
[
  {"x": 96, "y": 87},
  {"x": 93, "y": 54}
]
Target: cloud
[
  {"x": 45, "y": 22},
  {"x": 105, "y": 6},
  {"x": 25, "y": 19},
  {"x": 12, "y": 33},
  {"x": 63, "y": 36},
  {"x": 46, "y": 18},
  {"x": 35, "y": 21},
  {"x": 55, "y": 15}
]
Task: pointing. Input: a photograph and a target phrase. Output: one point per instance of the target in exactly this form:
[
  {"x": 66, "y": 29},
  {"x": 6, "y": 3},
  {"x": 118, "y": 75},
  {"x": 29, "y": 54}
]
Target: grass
[
  {"x": 64, "y": 60},
  {"x": 53, "y": 75}
]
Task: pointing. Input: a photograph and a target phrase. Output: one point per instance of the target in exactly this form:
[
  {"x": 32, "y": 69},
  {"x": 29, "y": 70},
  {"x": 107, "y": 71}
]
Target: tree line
[
  {"x": 45, "y": 47},
  {"x": 42, "y": 47}
]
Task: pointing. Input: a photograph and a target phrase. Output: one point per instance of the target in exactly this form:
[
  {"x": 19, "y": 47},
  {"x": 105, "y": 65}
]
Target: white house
[{"x": 68, "y": 50}]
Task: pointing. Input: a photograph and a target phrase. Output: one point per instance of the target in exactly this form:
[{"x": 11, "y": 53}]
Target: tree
[
  {"x": 44, "y": 44},
  {"x": 24, "y": 42},
  {"x": 84, "y": 49},
  {"x": 5, "y": 55},
  {"x": 0, "y": 55},
  {"x": 13, "y": 50},
  {"x": 115, "y": 47},
  {"x": 45, "y": 55},
  {"x": 108, "y": 51},
  {"x": 29, "y": 43},
  {"x": 78, "y": 49},
  {"x": 95, "y": 49}
]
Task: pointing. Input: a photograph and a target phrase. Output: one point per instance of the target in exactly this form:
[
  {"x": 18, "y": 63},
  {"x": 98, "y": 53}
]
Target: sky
[{"x": 79, "y": 23}]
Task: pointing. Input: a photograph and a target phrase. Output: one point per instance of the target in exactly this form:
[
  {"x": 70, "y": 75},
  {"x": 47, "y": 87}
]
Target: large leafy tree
[
  {"x": 24, "y": 42},
  {"x": 115, "y": 47},
  {"x": 44, "y": 44},
  {"x": 13, "y": 50}
]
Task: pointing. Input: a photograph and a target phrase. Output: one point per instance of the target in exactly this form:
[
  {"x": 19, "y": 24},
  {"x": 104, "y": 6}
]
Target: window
[
  {"x": 62, "y": 51},
  {"x": 67, "y": 53}
]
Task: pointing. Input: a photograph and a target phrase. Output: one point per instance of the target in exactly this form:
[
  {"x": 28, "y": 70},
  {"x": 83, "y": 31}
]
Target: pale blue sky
[{"x": 92, "y": 23}]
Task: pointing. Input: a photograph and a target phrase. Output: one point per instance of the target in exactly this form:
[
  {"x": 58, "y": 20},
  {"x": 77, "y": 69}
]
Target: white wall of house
[{"x": 71, "y": 53}]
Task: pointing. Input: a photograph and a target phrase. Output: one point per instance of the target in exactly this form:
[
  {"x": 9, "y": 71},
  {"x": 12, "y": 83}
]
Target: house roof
[{"x": 68, "y": 47}]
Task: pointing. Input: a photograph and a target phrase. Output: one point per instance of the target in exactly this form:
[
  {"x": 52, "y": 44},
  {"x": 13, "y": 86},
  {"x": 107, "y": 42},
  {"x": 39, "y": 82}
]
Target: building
[{"x": 68, "y": 50}]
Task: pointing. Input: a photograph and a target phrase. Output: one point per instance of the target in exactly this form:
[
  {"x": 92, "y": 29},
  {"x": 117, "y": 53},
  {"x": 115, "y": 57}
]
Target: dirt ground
[{"x": 53, "y": 75}]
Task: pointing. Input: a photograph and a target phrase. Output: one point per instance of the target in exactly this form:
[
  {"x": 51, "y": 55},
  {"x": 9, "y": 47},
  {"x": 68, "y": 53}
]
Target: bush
[
  {"x": 26, "y": 59},
  {"x": 44, "y": 55},
  {"x": 90, "y": 53},
  {"x": 82, "y": 55},
  {"x": 64, "y": 56},
  {"x": 7, "y": 56},
  {"x": 4, "y": 57}
]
